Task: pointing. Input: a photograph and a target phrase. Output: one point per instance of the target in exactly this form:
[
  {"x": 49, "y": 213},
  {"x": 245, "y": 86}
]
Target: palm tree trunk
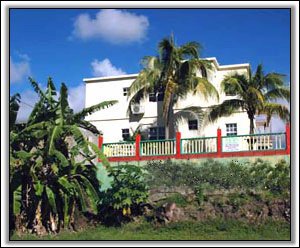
[
  {"x": 252, "y": 138},
  {"x": 251, "y": 125},
  {"x": 167, "y": 131}
]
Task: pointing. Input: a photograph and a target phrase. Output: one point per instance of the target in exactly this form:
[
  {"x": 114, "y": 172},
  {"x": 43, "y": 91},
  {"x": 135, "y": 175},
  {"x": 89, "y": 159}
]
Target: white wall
[{"x": 111, "y": 120}]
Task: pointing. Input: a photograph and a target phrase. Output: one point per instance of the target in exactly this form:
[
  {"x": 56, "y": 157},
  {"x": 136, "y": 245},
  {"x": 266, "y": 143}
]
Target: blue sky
[{"x": 72, "y": 44}]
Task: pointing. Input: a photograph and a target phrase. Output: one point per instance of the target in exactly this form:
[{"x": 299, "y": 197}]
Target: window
[
  {"x": 193, "y": 125},
  {"x": 160, "y": 96},
  {"x": 203, "y": 72},
  {"x": 157, "y": 133},
  {"x": 152, "y": 97},
  {"x": 125, "y": 91},
  {"x": 125, "y": 133},
  {"x": 156, "y": 97},
  {"x": 231, "y": 129}
]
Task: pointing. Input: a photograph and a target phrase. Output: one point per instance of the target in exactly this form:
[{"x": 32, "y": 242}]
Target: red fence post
[
  {"x": 219, "y": 142},
  {"x": 100, "y": 143},
  {"x": 178, "y": 144},
  {"x": 288, "y": 138},
  {"x": 137, "y": 146}
]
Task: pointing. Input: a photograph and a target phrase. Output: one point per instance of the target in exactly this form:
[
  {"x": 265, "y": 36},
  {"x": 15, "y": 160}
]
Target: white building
[{"x": 116, "y": 124}]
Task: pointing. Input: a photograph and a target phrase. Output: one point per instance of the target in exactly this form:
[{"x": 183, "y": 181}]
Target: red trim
[
  {"x": 137, "y": 146},
  {"x": 218, "y": 154},
  {"x": 219, "y": 142},
  {"x": 178, "y": 144},
  {"x": 119, "y": 159},
  {"x": 288, "y": 138},
  {"x": 100, "y": 143},
  {"x": 201, "y": 155}
]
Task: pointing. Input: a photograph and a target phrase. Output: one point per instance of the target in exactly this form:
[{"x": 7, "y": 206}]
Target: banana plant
[{"x": 52, "y": 168}]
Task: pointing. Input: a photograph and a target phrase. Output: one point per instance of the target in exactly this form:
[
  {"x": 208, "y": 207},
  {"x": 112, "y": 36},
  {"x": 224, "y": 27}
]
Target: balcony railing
[
  {"x": 199, "y": 145},
  {"x": 185, "y": 148},
  {"x": 158, "y": 147},
  {"x": 254, "y": 142},
  {"x": 121, "y": 149}
]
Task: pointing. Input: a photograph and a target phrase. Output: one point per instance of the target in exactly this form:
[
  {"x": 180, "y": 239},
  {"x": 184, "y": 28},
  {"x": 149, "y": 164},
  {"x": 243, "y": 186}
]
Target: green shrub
[
  {"x": 278, "y": 180},
  {"x": 211, "y": 174},
  {"x": 127, "y": 192}
]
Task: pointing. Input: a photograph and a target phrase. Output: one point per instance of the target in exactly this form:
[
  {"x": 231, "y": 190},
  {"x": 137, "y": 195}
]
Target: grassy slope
[{"x": 209, "y": 230}]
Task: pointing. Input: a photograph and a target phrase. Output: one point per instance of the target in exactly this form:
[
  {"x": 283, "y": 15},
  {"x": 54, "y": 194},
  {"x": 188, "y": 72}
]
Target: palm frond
[
  {"x": 280, "y": 110},
  {"x": 274, "y": 80},
  {"x": 90, "y": 110},
  {"x": 227, "y": 108},
  {"x": 278, "y": 93},
  {"x": 189, "y": 50},
  {"x": 190, "y": 113},
  {"x": 234, "y": 84},
  {"x": 205, "y": 88}
]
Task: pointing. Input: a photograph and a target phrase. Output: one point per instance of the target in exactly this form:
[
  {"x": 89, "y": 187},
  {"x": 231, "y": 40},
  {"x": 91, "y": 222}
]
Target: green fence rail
[
  {"x": 198, "y": 145},
  {"x": 120, "y": 149},
  {"x": 158, "y": 147},
  {"x": 254, "y": 142}
]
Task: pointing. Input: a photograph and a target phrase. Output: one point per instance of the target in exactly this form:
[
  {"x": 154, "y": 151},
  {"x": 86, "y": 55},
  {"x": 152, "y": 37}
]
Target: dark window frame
[
  {"x": 157, "y": 133},
  {"x": 156, "y": 96},
  {"x": 231, "y": 129},
  {"x": 125, "y": 135},
  {"x": 125, "y": 91},
  {"x": 193, "y": 124}
]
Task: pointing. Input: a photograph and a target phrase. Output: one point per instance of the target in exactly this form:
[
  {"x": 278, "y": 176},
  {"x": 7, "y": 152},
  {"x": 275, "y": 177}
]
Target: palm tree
[
  {"x": 255, "y": 94},
  {"x": 174, "y": 72},
  {"x": 52, "y": 169}
]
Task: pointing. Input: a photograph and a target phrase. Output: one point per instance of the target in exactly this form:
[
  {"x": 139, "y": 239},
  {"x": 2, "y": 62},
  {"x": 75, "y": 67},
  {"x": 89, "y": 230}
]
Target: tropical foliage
[
  {"x": 52, "y": 169},
  {"x": 127, "y": 192},
  {"x": 260, "y": 175},
  {"x": 174, "y": 73},
  {"x": 255, "y": 94}
]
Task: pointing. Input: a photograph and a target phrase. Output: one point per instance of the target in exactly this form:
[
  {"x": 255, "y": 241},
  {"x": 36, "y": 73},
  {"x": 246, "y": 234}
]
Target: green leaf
[
  {"x": 62, "y": 159},
  {"x": 66, "y": 210},
  {"x": 51, "y": 198},
  {"x": 67, "y": 186},
  {"x": 39, "y": 187},
  {"x": 99, "y": 153},
  {"x": 80, "y": 195},
  {"x": 90, "y": 110},
  {"x": 17, "y": 200},
  {"x": 91, "y": 192},
  {"x": 54, "y": 135}
]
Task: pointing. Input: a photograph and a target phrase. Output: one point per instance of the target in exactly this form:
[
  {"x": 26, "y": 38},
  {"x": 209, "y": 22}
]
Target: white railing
[
  {"x": 124, "y": 149},
  {"x": 255, "y": 142},
  {"x": 199, "y": 145},
  {"x": 158, "y": 147}
]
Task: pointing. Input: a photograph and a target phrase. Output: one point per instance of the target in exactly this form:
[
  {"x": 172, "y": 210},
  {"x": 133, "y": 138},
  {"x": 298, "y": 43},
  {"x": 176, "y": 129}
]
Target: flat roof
[{"x": 132, "y": 76}]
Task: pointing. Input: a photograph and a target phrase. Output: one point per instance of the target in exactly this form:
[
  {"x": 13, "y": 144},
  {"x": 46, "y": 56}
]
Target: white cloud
[
  {"x": 77, "y": 97},
  {"x": 115, "y": 26},
  {"x": 105, "y": 68},
  {"x": 19, "y": 70},
  {"x": 28, "y": 100}
]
